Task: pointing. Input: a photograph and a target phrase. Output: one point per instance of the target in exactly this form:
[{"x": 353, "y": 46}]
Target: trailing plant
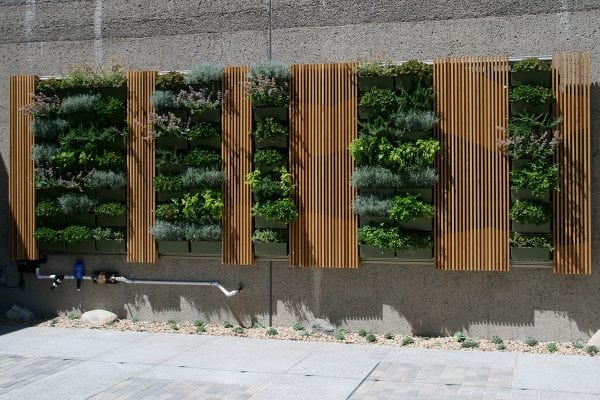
[
  {"x": 48, "y": 235},
  {"x": 282, "y": 210},
  {"x": 113, "y": 209},
  {"x": 202, "y": 177},
  {"x": 76, "y": 234},
  {"x": 269, "y": 236},
  {"x": 43, "y": 106},
  {"x": 375, "y": 68},
  {"x": 43, "y": 153},
  {"x": 393, "y": 238},
  {"x": 539, "y": 178},
  {"x": 267, "y": 92},
  {"x": 170, "y": 81},
  {"x": 168, "y": 212},
  {"x": 270, "y": 128},
  {"x": 45, "y": 179},
  {"x": 80, "y": 103},
  {"x": 529, "y": 65},
  {"x": 374, "y": 177},
  {"x": 198, "y": 100},
  {"x": 531, "y": 136},
  {"x": 203, "y": 158},
  {"x": 105, "y": 180},
  {"x": 76, "y": 204},
  {"x": 269, "y": 157},
  {"x": 100, "y": 233},
  {"x": 164, "y": 100},
  {"x": 48, "y": 129},
  {"x": 414, "y": 121},
  {"x": 531, "y": 240},
  {"x": 166, "y": 157},
  {"x": 165, "y": 230},
  {"x": 531, "y": 212},
  {"x": 82, "y": 135},
  {"x": 269, "y": 69},
  {"x": 531, "y": 94},
  {"x": 408, "y": 207},
  {"x": 167, "y": 183},
  {"x": 415, "y": 67},
  {"x": 381, "y": 101},
  {"x": 111, "y": 110},
  {"x": 47, "y": 208},
  {"x": 203, "y": 130},
  {"x": 197, "y": 232},
  {"x": 168, "y": 125},
  {"x": 203, "y": 74},
  {"x": 371, "y": 205},
  {"x": 213, "y": 203}
]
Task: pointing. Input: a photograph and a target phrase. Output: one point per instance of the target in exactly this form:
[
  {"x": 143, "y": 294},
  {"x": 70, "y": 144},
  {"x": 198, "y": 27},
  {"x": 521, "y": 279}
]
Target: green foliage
[
  {"x": 408, "y": 207},
  {"x": 371, "y": 338},
  {"x": 100, "y": 233},
  {"x": 531, "y": 94},
  {"x": 266, "y": 187},
  {"x": 406, "y": 340},
  {"x": 389, "y": 336},
  {"x": 381, "y": 101},
  {"x": 77, "y": 234},
  {"x": 500, "y": 346},
  {"x": 173, "y": 324},
  {"x": 268, "y": 236},
  {"x": 531, "y": 240},
  {"x": 202, "y": 158},
  {"x": 282, "y": 210},
  {"x": 238, "y": 330},
  {"x": 497, "y": 339},
  {"x": 110, "y": 159},
  {"x": 200, "y": 326},
  {"x": 111, "y": 110},
  {"x": 270, "y": 128},
  {"x": 530, "y": 64},
  {"x": 105, "y": 180},
  {"x": 298, "y": 326},
  {"x": 48, "y": 129},
  {"x": 415, "y": 67},
  {"x": 47, "y": 208},
  {"x": 48, "y": 235},
  {"x": 203, "y": 74},
  {"x": 80, "y": 103},
  {"x": 168, "y": 212},
  {"x": 165, "y": 230},
  {"x": 190, "y": 206},
  {"x": 538, "y": 177},
  {"x": 111, "y": 210},
  {"x": 271, "y": 331},
  {"x": 202, "y": 178},
  {"x": 213, "y": 203},
  {"x": 469, "y": 343},
  {"x": 577, "y": 344},
  {"x": 459, "y": 336},
  {"x": 170, "y": 81},
  {"x": 375, "y": 68},
  {"x": 91, "y": 136},
  {"x": 420, "y": 99},
  {"x": 369, "y": 150},
  {"x": 269, "y": 69},
  {"x": 166, "y": 157},
  {"x": 85, "y": 77},
  {"x": 531, "y": 342},
  {"x": 393, "y": 238},
  {"x": 374, "y": 177},
  {"x": 420, "y": 177},
  {"x": 258, "y": 325},
  {"x": 552, "y": 347},
  {"x": 76, "y": 204},
  {"x": 203, "y": 130},
  {"x": 531, "y": 136},
  {"x": 591, "y": 350},
  {"x": 269, "y": 157},
  {"x": 340, "y": 334},
  {"x": 362, "y": 332},
  {"x": 414, "y": 121},
  {"x": 267, "y": 92},
  {"x": 168, "y": 183},
  {"x": 164, "y": 100},
  {"x": 72, "y": 316},
  {"x": 531, "y": 212},
  {"x": 43, "y": 153},
  {"x": 379, "y": 126},
  {"x": 195, "y": 232},
  {"x": 371, "y": 205}
]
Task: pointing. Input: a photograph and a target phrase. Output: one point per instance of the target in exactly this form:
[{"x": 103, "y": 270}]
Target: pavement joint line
[
  {"x": 363, "y": 380},
  {"x": 189, "y": 350},
  {"x": 298, "y": 362}
]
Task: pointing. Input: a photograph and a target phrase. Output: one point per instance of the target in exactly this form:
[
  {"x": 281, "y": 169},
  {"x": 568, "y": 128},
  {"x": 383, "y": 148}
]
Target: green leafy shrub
[
  {"x": 110, "y": 159},
  {"x": 375, "y": 68},
  {"x": 203, "y": 158},
  {"x": 577, "y": 344},
  {"x": 76, "y": 204},
  {"x": 393, "y": 238},
  {"x": 48, "y": 235},
  {"x": 190, "y": 207},
  {"x": 531, "y": 94},
  {"x": 282, "y": 210},
  {"x": 415, "y": 67},
  {"x": 531, "y": 212},
  {"x": 298, "y": 327},
  {"x": 202, "y": 178},
  {"x": 371, "y": 338},
  {"x": 198, "y": 100},
  {"x": 170, "y": 81},
  {"x": 389, "y": 336},
  {"x": 420, "y": 177},
  {"x": 415, "y": 121},
  {"x": 267, "y": 92},
  {"x": 408, "y": 207},
  {"x": 105, "y": 180},
  {"x": 340, "y": 334},
  {"x": 500, "y": 346},
  {"x": 270, "y": 128},
  {"x": 238, "y": 330},
  {"x": 200, "y": 326},
  {"x": 266, "y": 187},
  {"x": 269, "y": 69},
  {"x": 258, "y": 325},
  {"x": 531, "y": 136},
  {"x": 43, "y": 153},
  {"x": 203, "y": 74},
  {"x": 271, "y": 331},
  {"x": 195, "y": 232},
  {"x": 591, "y": 350},
  {"x": 100, "y": 233},
  {"x": 43, "y": 106},
  {"x": 167, "y": 125},
  {"x": 420, "y": 99},
  {"x": 406, "y": 340},
  {"x": 459, "y": 336},
  {"x": 269, "y": 157},
  {"x": 47, "y": 208},
  {"x": 538, "y": 177},
  {"x": 381, "y": 101},
  {"x": 164, "y": 100},
  {"x": 165, "y": 230},
  {"x": 203, "y": 130},
  {"x": 531, "y": 342},
  {"x": 111, "y": 210},
  {"x": 411, "y": 154},
  {"x": 552, "y": 347},
  {"x": 48, "y": 129},
  {"x": 469, "y": 343},
  {"x": 111, "y": 110},
  {"x": 168, "y": 183},
  {"x": 362, "y": 332},
  {"x": 531, "y": 240},
  {"x": 379, "y": 126},
  {"x": 213, "y": 203},
  {"x": 80, "y": 103},
  {"x": 268, "y": 236},
  {"x": 166, "y": 157},
  {"x": 85, "y": 77},
  {"x": 530, "y": 64},
  {"x": 77, "y": 234},
  {"x": 168, "y": 212},
  {"x": 371, "y": 205},
  {"x": 497, "y": 339}
]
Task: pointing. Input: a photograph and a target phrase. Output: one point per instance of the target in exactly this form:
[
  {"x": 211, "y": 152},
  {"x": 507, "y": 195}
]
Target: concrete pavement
[{"x": 56, "y": 363}]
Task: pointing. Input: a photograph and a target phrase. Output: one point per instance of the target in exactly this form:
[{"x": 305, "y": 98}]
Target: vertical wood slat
[
  {"x": 472, "y": 203},
  {"x": 237, "y": 162},
  {"x": 141, "y": 246},
  {"x": 571, "y": 84},
  {"x": 21, "y": 181},
  {"x": 324, "y": 103}
]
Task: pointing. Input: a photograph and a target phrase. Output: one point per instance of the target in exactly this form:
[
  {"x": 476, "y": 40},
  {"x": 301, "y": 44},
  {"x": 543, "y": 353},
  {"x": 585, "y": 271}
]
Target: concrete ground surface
[{"x": 55, "y": 363}]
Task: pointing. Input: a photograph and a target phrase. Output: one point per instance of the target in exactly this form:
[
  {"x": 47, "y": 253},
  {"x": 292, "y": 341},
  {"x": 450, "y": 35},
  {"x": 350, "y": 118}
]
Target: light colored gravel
[{"x": 288, "y": 333}]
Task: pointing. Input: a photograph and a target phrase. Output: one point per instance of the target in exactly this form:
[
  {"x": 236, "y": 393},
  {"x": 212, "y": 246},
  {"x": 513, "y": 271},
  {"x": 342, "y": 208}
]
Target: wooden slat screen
[
  {"x": 236, "y": 119},
  {"x": 21, "y": 184},
  {"x": 472, "y": 195},
  {"x": 323, "y": 123},
  {"x": 572, "y": 203},
  {"x": 141, "y": 246}
]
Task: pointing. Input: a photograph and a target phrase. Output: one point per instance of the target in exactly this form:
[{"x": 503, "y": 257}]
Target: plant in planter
[
  {"x": 264, "y": 187},
  {"x": 276, "y": 70},
  {"x": 109, "y": 240},
  {"x": 377, "y": 101},
  {"x": 267, "y": 88},
  {"x": 82, "y": 103},
  {"x": 169, "y": 161},
  {"x": 531, "y": 216},
  {"x": 78, "y": 208},
  {"x": 407, "y": 122},
  {"x": 532, "y": 247},
  {"x": 167, "y": 125},
  {"x": 43, "y": 107},
  {"x": 411, "y": 154},
  {"x": 168, "y": 212},
  {"x": 190, "y": 207},
  {"x": 530, "y": 71},
  {"x": 111, "y": 111},
  {"x": 378, "y": 241},
  {"x": 370, "y": 205},
  {"x": 170, "y": 81},
  {"x": 204, "y": 74},
  {"x": 108, "y": 185},
  {"x": 267, "y": 92},
  {"x": 414, "y": 72},
  {"x": 109, "y": 160},
  {"x": 79, "y": 239},
  {"x": 379, "y": 126},
  {"x": 49, "y": 240},
  {"x": 170, "y": 236},
  {"x": 168, "y": 184},
  {"x": 85, "y": 77},
  {"x": 202, "y": 178},
  {"x": 420, "y": 99},
  {"x": 213, "y": 204},
  {"x": 531, "y": 136},
  {"x": 165, "y": 100},
  {"x": 411, "y": 212},
  {"x": 204, "y": 134},
  {"x": 365, "y": 150},
  {"x": 282, "y": 210},
  {"x": 268, "y": 242},
  {"x": 269, "y": 159},
  {"x": 49, "y": 213},
  {"x": 204, "y": 239},
  {"x": 530, "y": 99},
  {"x": 420, "y": 177},
  {"x": 539, "y": 178},
  {"x": 198, "y": 100},
  {"x": 375, "y": 177},
  {"x": 48, "y": 129},
  {"x": 203, "y": 158},
  {"x": 375, "y": 74},
  {"x": 270, "y": 132},
  {"x": 43, "y": 153},
  {"x": 111, "y": 214}
]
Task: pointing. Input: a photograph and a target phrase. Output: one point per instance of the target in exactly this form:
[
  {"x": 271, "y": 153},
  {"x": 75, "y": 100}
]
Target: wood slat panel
[
  {"x": 141, "y": 246},
  {"x": 572, "y": 203},
  {"x": 323, "y": 123},
  {"x": 237, "y": 162},
  {"x": 472, "y": 196},
  {"x": 21, "y": 184}
]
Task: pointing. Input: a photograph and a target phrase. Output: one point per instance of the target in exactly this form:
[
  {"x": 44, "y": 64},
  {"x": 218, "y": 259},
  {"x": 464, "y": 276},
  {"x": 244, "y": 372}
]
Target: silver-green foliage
[
  {"x": 42, "y": 153},
  {"x": 415, "y": 121},
  {"x": 76, "y": 204},
  {"x": 196, "y": 232},
  {"x": 202, "y": 177},
  {"x": 371, "y": 205},
  {"x": 80, "y": 103},
  {"x": 204, "y": 73},
  {"x": 165, "y": 230},
  {"x": 371, "y": 177},
  {"x": 269, "y": 69},
  {"x": 163, "y": 99},
  {"x": 105, "y": 180},
  {"x": 48, "y": 128}
]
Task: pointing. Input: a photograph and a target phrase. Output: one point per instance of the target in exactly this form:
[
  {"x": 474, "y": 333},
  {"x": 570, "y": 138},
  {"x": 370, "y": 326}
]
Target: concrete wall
[{"x": 46, "y": 36}]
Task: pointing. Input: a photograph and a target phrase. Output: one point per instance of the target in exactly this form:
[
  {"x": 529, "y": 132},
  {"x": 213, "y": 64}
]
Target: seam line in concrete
[{"x": 362, "y": 381}]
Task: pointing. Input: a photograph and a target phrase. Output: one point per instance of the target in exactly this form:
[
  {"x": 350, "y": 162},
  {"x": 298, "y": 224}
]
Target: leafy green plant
[
  {"x": 80, "y": 103},
  {"x": 420, "y": 99},
  {"x": 111, "y": 110},
  {"x": 268, "y": 236},
  {"x": 203, "y": 158},
  {"x": 111, "y": 210},
  {"x": 459, "y": 336},
  {"x": 531, "y": 94},
  {"x": 298, "y": 326},
  {"x": 531, "y": 212},
  {"x": 408, "y": 207},
  {"x": 267, "y": 92},
  {"x": 105, "y": 180},
  {"x": 375, "y": 68},
  {"x": 202, "y": 130},
  {"x": 407, "y": 340},
  {"x": 530, "y": 64},
  {"x": 199, "y": 100},
  {"x": 76, "y": 234},
  {"x": 270, "y": 128},
  {"x": 286, "y": 182},
  {"x": 414, "y": 121},
  {"x": 538, "y": 177},
  {"x": 415, "y": 67},
  {"x": 381, "y": 101},
  {"x": 48, "y": 129},
  {"x": 100, "y": 233},
  {"x": 72, "y": 316},
  {"x": 195, "y": 232},
  {"x": 47, "y": 208},
  {"x": 168, "y": 183},
  {"x": 469, "y": 343},
  {"x": 164, "y": 100},
  {"x": 591, "y": 350},
  {"x": 393, "y": 238},
  {"x": 170, "y": 81},
  {"x": 531, "y": 136},
  {"x": 200, "y": 326},
  {"x": 202, "y": 178},
  {"x": 531, "y": 342},
  {"x": 497, "y": 339},
  {"x": 203, "y": 74},
  {"x": 389, "y": 336},
  {"x": 269, "y": 69},
  {"x": 213, "y": 203},
  {"x": 371, "y": 338},
  {"x": 76, "y": 204},
  {"x": 168, "y": 212},
  {"x": 552, "y": 347},
  {"x": 86, "y": 77},
  {"x": 43, "y": 153},
  {"x": 271, "y": 331},
  {"x": 166, "y": 157},
  {"x": 269, "y": 157},
  {"x": 258, "y": 325},
  {"x": 362, "y": 332},
  {"x": 371, "y": 205},
  {"x": 340, "y": 334},
  {"x": 411, "y": 154},
  {"x": 282, "y": 210},
  {"x": 48, "y": 235},
  {"x": 165, "y": 230},
  {"x": 577, "y": 344},
  {"x": 167, "y": 125},
  {"x": 238, "y": 330},
  {"x": 43, "y": 106},
  {"x": 190, "y": 206},
  {"x": 500, "y": 346},
  {"x": 265, "y": 187},
  {"x": 531, "y": 240},
  {"x": 420, "y": 177},
  {"x": 110, "y": 159}
]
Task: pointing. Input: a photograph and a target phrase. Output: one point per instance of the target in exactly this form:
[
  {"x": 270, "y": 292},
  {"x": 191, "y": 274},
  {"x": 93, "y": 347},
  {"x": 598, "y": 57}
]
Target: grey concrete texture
[{"x": 46, "y": 37}]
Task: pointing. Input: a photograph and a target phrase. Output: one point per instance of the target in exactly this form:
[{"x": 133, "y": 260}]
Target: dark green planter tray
[
  {"x": 419, "y": 224},
  {"x": 87, "y": 246},
  {"x": 372, "y": 219},
  {"x": 115, "y": 144},
  {"x": 280, "y": 113},
  {"x": 211, "y": 142},
  {"x": 119, "y": 221},
  {"x": 374, "y": 252},
  {"x": 171, "y": 168},
  {"x": 269, "y": 168},
  {"x": 530, "y": 228},
  {"x": 56, "y": 221},
  {"x": 173, "y": 246},
  {"x": 411, "y": 136},
  {"x": 270, "y": 249},
  {"x": 368, "y": 82},
  {"x": 205, "y": 247},
  {"x": 120, "y": 91},
  {"x": 81, "y": 219},
  {"x": 279, "y": 142},
  {"x": 51, "y": 247},
  {"x": 171, "y": 142},
  {"x": 110, "y": 246},
  {"x": 424, "y": 253},
  {"x": 377, "y": 192},
  {"x": 410, "y": 81},
  {"x": 366, "y": 112},
  {"x": 425, "y": 193},
  {"x": 111, "y": 195},
  {"x": 519, "y": 163},
  {"x": 49, "y": 194},
  {"x": 167, "y": 196},
  {"x": 532, "y": 109},
  {"x": 534, "y": 254},
  {"x": 262, "y": 223},
  {"x": 541, "y": 78},
  {"x": 207, "y": 116},
  {"x": 81, "y": 118},
  {"x": 524, "y": 194}
]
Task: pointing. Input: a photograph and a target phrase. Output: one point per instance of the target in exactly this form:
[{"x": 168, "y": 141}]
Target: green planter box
[
  {"x": 525, "y": 194},
  {"x": 81, "y": 219},
  {"x": 524, "y": 108},
  {"x": 114, "y": 144},
  {"x": 530, "y": 228},
  {"x": 269, "y": 167},
  {"x": 105, "y": 195},
  {"x": 410, "y": 81},
  {"x": 374, "y": 252},
  {"x": 270, "y": 249},
  {"x": 384, "y": 192},
  {"x": 110, "y": 246},
  {"x": 205, "y": 247},
  {"x": 51, "y": 247},
  {"x": 419, "y": 224},
  {"x": 280, "y": 113},
  {"x": 372, "y": 219},
  {"x": 541, "y": 78},
  {"x": 535, "y": 254},
  {"x": 368, "y": 82},
  {"x": 213, "y": 86},
  {"x": 207, "y": 115},
  {"x": 119, "y": 221},
  {"x": 424, "y": 253},
  {"x": 172, "y": 142},
  {"x": 81, "y": 118},
  {"x": 120, "y": 91},
  {"x": 210, "y": 142},
  {"x": 278, "y": 142},
  {"x": 262, "y": 223},
  {"x": 425, "y": 193},
  {"x": 87, "y": 246},
  {"x": 56, "y": 221},
  {"x": 49, "y": 194},
  {"x": 173, "y": 246},
  {"x": 171, "y": 168},
  {"x": 167, "y": 196},
  {"x": 411, "y": 136}
]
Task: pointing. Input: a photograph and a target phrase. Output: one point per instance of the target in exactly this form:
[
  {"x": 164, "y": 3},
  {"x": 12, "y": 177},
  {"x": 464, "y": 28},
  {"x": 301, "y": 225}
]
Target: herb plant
[
  {"x": 105, "y": 180},
  {"x": 48, "y": 235},
  {"x": 76, "y": 234},
  {"x": 415, "y": 67},
  {"x": 80, "y": 103},
  {"x": 170, "y": 81},
  {"x": 393, "y": 238},
  {"x": 269, "y": 69},
  {"x": 531, "y": 240},
  {"x": 76, "y": 204},
  {"x": 168, "y": 212},
  {"x": 100, "y": 233},
  {"x": 165, "y": 230},
  {"x": 269, "y": 157},
  {"x": 203, "y": 158},
  {"x": 197, "y": 232},
  {"x": 531, "y": 212},
  {"x": 267, "y": 92},
  {"x": 538, "y": 177},
  {"x": 381, "y": 101},
  {"x": 48, "y": 129},
  {"x": 47, "y": 208},
  {"x": 414, "y": 121},
  {"x": 168, "y": 183},
  {"x": 204, "y": 74},
  {"x": 202, "y": 130},
  {"x": 531, "y": 94},
  {"x": 202, "y": 177},
  {"x": 270, "y": 128},
  {"x": 111, "y": 210},
  {"x": 408, "y": 207},
  {"x": 530, "y": 64},
  {"x": 371, "y": 205},
  {"x": 282, "y": 210},
  {"x": 269, "y": 236},
  {"x": 375, "y": 68}
]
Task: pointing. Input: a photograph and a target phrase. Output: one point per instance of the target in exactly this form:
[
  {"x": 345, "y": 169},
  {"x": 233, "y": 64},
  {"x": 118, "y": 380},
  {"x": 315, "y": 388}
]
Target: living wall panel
[
  {"x": 141, "y": 246},
  {"x": 472, "y": 196},
  {"x": 572, "y": 202},
  {"x": 21, "y": 188},
  {"x": 237, "y": 162},
  {"x": 323, "y": 123}
]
